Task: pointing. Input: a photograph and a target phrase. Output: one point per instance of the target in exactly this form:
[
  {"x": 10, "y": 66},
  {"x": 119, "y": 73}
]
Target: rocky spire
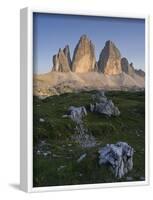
[
  {"x": 62, "y": 60},
  {"x": 110, "y": 59},
  {"x": 126, "y": 67},
  {"x": 140, "y": 72},
  {"x": 84, "y": 56},
  {"x": 66, "y": 51}
]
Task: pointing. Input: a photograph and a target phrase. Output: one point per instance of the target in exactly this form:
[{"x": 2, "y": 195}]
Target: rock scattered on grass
[
  {"x": 81, "y": 158},
  {"x": 104, "y": 106},
  {"x": 41, "y": 120},
  {"x": 76, "y": 113},
  {"x": 82, "y": 135},
  {"x": 118, "y": 156}
]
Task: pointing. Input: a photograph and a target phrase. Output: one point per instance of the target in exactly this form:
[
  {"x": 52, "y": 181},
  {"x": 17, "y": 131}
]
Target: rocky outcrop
[
  {"x": 118, "y": 156},
  {"x": 84, "y": 56},
  {"x": 126, "y": 67},
  {"x": 140, "y": 72},
  {"x": 104, "y": 106},
  {"x": 66, "y": 51},
  {"x": 109, "y": 63},
  {"x": 110, "y": 59},
  {"x": 62, "y": 61},
  {"x": 76, "y": 113}
]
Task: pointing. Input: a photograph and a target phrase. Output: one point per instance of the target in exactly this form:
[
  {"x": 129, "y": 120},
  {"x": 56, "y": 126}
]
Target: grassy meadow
[{"x": 55, "y": 154}]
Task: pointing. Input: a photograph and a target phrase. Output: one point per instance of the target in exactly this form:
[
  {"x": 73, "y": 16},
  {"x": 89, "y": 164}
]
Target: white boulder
[
  {"x": 76, "y": 113},
  {"x": 118, "y": 156}
]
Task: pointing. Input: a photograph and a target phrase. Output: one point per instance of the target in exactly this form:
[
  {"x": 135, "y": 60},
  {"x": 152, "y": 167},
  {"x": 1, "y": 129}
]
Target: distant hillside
[{"x": 55, "y": 83}]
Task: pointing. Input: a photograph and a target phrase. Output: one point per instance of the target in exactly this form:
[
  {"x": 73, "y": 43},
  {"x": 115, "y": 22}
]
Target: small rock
[
  {"x": 81, "y": 158},
  {"x": 61, "y": 167},
  {"x": 45, "y": 153},
  {"x": 38, "y": 152},
  {"x": 55, "y": 156},
  {"x": 41, "y": 120},
  {"x": 76, "y": 113},
  {"x": 103, "y": 105}
]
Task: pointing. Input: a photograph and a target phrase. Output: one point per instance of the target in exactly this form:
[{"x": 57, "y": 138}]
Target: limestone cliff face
[
  {"x": 126, "y": 67},
  {"x": 140, "y": 72},
  {"x": 62, "y": 60},
  {"x": 110, "y": 59},
  {"x": 66, "y": 51},
  {"x": 84, "y": 56},
  {"x": 84, "y": 60}
]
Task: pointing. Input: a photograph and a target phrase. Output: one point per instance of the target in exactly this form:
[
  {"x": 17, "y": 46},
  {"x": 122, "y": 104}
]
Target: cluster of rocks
[
  {"x": 104, "y": 105},
  {"x": 82, "y": 134},
  {"x": 84, "y": 60},
  {"x": 118, "y": 156},
  {"x": 43, "y": 149}
]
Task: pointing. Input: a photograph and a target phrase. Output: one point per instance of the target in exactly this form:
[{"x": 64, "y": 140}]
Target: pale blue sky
[{"x": 52, "y": 31}]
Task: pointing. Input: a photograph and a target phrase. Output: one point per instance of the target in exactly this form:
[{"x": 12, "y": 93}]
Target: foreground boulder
[
  {"x": 103, "y": 105},
  {"x": 118, "y": 156}
]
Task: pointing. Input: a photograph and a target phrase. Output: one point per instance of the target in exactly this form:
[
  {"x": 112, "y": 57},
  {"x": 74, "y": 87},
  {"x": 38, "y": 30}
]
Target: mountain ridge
[{"x": 83, "y": 72}]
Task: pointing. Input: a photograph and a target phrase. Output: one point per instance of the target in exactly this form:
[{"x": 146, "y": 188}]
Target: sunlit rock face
[
  {"x": 62, "y": 60},
  {"x": 110, "y": 59},
  {"x": 84, "y": 56},
  {"x": 126, "y": 67},
  {"x": 140, "y": 72}
]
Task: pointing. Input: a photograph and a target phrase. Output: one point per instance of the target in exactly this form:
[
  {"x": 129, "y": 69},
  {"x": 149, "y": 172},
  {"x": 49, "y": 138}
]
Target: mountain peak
[
  {"x": 62, "y": 60},
  {"x": 84, "y": 56},
  {"x": 84, "y": 37},
  {"x": 126, "y": 67},
  {"x": 84, "y": 60},
  {"x": 110, "y": 59},
  {"x": 108, "y": 43}
]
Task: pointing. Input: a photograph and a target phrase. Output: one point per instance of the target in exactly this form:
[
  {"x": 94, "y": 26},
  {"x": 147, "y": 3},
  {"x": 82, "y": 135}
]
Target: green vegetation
[{"x": 60, "y": 166}]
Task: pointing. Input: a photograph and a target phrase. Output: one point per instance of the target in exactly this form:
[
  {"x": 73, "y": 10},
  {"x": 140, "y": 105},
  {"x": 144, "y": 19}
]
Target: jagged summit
[
  {"x": 84, "y": 56},
  {"x": 83, "y": 72},
  {"x": 126, "y": 67},
  {"x": 110, "y": 59},
  {"x": 66, "y": 51},
  {"x": 62, "y": 60}
]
